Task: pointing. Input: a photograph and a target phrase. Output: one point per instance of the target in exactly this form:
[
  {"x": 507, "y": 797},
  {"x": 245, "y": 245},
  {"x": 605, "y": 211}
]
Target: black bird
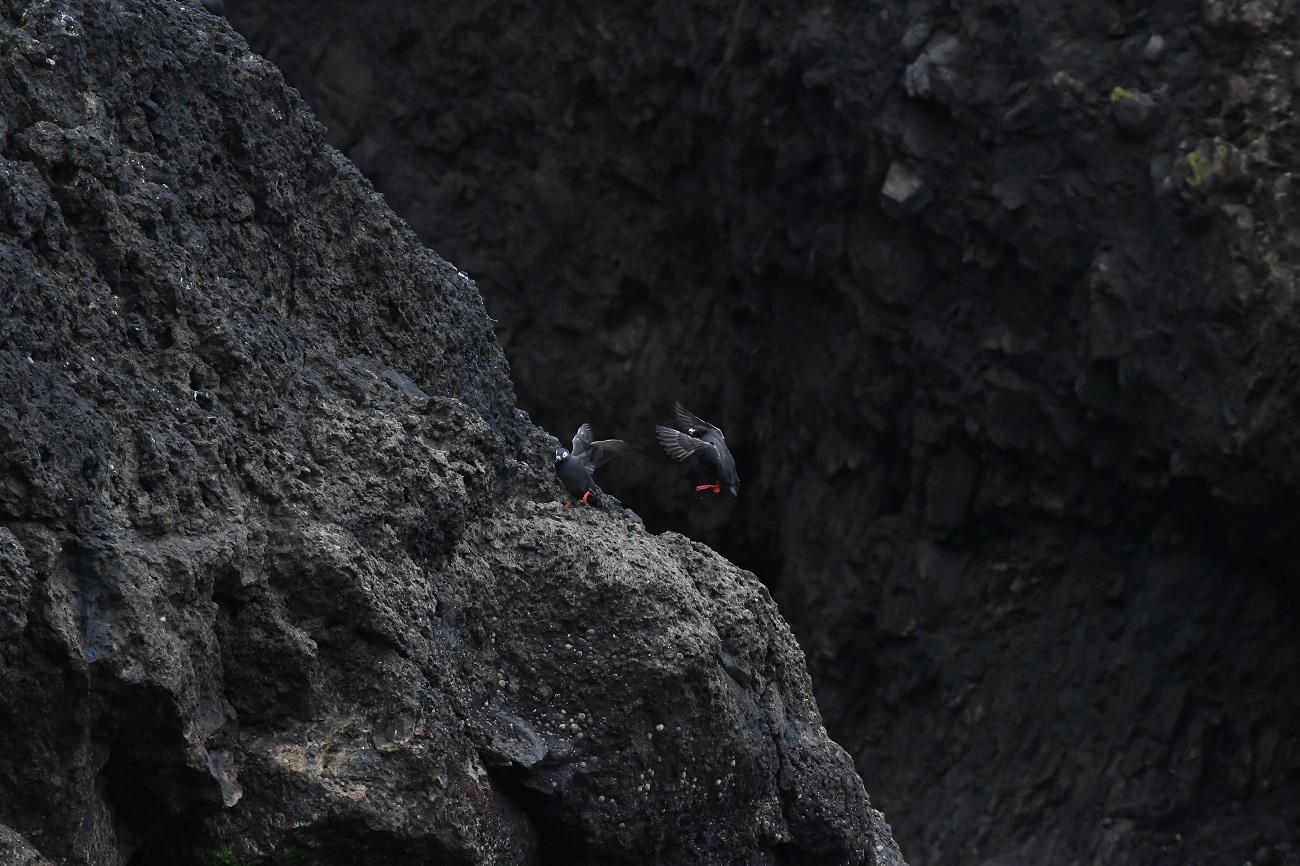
[
  {"x": 574, "y": 467},
  {"x": 703, "y": 446}
]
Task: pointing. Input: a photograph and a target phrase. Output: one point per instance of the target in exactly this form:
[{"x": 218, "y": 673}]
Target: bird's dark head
[{"x": 561, "y": 454}]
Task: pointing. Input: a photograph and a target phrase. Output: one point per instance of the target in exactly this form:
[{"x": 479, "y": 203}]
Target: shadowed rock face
[
  {"x": 995, "y": 303},
  {"x": 284, "y": 574}
]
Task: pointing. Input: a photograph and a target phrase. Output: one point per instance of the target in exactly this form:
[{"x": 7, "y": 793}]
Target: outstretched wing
[
  {"x": 605, "y": 450},
  {"x": 582, "y": 439},
  {"x": 687, "y": 419},
  {"x": 685, "y": 447}
]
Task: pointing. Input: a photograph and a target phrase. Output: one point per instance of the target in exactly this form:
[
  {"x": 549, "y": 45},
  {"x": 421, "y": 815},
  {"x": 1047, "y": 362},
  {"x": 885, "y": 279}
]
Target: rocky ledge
[
  {"x": 996, "y": 301},
  {"x": 284, "y": 574}
]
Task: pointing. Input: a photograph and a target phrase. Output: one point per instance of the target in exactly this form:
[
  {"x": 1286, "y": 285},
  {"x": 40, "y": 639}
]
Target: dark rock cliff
[
  {"x": 284, "y": 574},
  {"x": 995, "y": 301}
]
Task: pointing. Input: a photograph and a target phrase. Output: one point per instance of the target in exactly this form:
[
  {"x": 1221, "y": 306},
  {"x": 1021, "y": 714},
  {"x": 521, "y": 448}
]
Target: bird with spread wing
[{"x": 703, "y": 446}]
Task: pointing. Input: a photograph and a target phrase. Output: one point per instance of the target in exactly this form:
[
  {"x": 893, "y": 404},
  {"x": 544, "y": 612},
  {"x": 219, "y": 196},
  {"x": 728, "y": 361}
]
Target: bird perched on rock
[
  {"x": 702, "y": 445},
  {"x": 574, "y": 467}
]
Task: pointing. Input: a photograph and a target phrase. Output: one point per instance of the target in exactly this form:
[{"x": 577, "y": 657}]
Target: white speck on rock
[{"x": 902, "y": 184}]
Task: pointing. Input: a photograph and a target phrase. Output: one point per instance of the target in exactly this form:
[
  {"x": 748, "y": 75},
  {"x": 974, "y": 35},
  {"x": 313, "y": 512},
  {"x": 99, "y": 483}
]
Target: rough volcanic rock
[
  {"x": 284, "y": 574},
  {"x": 996, "y": 303}
]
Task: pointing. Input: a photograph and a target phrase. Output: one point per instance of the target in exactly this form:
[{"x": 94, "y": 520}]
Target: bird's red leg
[
  {"x": 567, "y": 504},
  {"x": 585, "y": 495},
  {"x": 716, "y": 487}
]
